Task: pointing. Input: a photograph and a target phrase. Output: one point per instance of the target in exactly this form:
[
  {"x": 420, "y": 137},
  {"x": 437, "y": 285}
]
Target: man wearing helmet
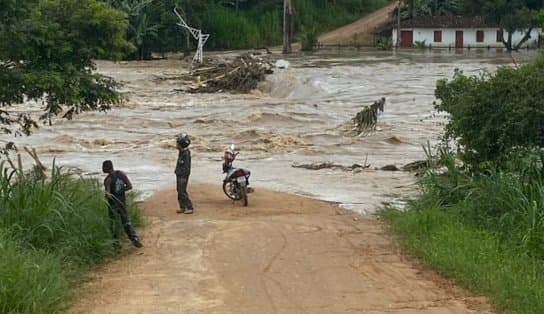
[{"x": 183, "y": 170}]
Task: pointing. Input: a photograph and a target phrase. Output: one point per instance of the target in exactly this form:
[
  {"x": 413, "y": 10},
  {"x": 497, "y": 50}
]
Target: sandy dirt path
[
  {"x": 360, "y": 31},
  {"x": 282, "y": 254}
]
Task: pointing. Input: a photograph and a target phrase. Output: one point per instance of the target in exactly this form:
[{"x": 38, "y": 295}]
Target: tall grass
[
  {"x": 51, "y": 232},
  {"x": 485, "y": 229},
  {"x": 472, "y": 257}
]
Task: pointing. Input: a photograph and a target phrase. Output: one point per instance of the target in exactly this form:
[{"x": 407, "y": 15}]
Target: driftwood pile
[
  {"x": 365, "y": 121},
  {"x": 240, "y": 75}
]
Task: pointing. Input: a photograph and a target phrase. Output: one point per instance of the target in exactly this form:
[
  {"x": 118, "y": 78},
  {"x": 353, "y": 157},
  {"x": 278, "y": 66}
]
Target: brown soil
[
  {"x": 282, "y": 254},
  {"x": 361, "y": 31}
]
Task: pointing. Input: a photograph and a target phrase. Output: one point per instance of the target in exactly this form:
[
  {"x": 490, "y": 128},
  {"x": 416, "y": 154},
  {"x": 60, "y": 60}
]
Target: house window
[
  {"x": 437, "y": 36},
  {"x": 479, "y": 36},
  {"x": 499, "y": 36}
]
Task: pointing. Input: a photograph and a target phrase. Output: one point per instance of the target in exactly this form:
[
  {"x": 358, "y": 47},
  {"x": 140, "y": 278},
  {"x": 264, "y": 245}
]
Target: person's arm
[
  {"x": 128, "y": 184},
  {"x": 188, "y": 161},
  {"x": 107, "y": 187}
]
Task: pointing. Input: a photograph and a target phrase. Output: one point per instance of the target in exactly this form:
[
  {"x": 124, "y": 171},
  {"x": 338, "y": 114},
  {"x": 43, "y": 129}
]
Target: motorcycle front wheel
[{"x": 230, "y": 190}]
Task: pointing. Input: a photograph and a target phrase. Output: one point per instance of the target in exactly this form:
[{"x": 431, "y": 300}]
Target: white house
[{"x": 458, "y": 32}]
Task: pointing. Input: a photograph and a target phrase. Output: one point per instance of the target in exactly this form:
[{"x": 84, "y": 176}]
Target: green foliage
[
  {"x": 239, "y": 24},
  {"x": 31, "y": 281},
  {"x": 433, "y": 7},
  {"x": 385, "y": 43},
  {"x": 493, "y": 117},
  {"x": 308, "y": 39},
  {"x": 141, "y": 30},
  {"x": 420, "y": 44},
  {"x": 46, "y": 53},
  {"x": 51, "y": 231},
  {"x": 231, "y": 30}
]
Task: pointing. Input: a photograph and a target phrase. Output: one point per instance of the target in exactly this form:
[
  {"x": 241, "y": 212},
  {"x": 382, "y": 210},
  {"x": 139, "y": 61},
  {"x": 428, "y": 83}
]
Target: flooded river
[{"x": 298, "y": 116}]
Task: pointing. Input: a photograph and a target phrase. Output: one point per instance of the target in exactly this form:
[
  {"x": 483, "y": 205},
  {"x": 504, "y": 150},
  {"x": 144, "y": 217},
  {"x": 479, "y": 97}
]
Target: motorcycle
[{"x": 235, "y": 184}]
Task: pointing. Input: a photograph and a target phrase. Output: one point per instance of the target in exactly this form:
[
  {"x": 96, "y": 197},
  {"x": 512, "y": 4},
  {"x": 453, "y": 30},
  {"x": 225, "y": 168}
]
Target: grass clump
[{"x": 51, "y": 231}]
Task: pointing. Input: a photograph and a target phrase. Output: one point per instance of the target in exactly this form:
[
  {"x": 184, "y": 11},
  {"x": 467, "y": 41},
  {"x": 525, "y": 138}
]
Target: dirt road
[
  {"x": 361, "y": 31},
  {"x": 282, "y": 254}
]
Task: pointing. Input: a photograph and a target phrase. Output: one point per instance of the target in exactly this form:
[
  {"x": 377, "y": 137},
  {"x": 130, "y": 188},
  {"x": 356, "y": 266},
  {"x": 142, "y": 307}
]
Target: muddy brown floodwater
[
  {"x": 283, "y": 253},
  {"x": 298, "y": 116}
]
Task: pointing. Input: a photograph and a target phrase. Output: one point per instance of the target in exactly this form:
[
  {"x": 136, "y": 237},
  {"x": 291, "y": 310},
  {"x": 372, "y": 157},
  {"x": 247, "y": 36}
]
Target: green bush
[
  {"x": 422, "y": 45},
  {"x": 51, "y": 232},
  {"x": 308, "y": 39},
  {"x": 495, "y": 117},
  {"x": 385, "y": 44}
]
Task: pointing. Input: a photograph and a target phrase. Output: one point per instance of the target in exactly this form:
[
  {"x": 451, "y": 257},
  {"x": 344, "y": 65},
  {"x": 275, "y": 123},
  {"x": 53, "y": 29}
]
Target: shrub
[
  {"x": 385, "y": 44},
  {"x": 308, "y": 39},
  {"x": 494, "y": 117}
]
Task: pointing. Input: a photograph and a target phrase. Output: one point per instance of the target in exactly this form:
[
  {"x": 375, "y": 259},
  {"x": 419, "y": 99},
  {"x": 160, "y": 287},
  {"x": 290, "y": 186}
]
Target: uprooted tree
[
  {"x": 46, "y": 53},
  {"x": 365, "y": 120}
]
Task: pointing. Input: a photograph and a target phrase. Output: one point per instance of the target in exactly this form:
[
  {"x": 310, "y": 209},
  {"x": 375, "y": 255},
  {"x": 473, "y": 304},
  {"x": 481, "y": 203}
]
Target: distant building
[{"x": 458, "y": 32}]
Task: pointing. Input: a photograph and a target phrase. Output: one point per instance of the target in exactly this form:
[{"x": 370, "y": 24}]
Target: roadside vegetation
[
  {"x": 232, "y": 24},
  {"x": 480, "y": 217},
  {"x": 51, "y": 232}
]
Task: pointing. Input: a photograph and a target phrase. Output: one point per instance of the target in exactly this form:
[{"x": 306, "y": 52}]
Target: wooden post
[
  {"x": 287, "y": 25},
  {"x": 398, "y": 24}
]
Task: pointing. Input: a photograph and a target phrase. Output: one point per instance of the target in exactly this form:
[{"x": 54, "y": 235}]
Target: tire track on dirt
[{"x": 281, "y": 254}]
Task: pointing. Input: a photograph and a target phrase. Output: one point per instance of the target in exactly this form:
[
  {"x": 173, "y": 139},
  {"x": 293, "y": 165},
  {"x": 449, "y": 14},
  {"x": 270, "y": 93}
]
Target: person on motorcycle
[{"x": 182, "y": 171}]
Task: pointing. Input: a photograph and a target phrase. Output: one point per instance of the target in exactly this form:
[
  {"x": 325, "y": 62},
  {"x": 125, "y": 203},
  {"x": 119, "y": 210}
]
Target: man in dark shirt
[
  {"x": 115, "y": 184},
  {"x": 183, "y": 170}
]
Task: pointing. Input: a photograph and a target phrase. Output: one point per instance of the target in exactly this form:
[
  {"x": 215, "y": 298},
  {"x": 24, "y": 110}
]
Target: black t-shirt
[{"x": 117, "y": 182}]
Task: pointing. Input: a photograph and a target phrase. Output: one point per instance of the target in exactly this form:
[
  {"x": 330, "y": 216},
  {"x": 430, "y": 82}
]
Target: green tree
[
  {"x": 513, "y": 16},
  {"x": 142, "y": 29},
  {"x": 46, "y": 53}
]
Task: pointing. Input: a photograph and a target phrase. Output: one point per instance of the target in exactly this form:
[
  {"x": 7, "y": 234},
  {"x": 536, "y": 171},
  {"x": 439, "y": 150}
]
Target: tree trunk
[
  {"x": 507, "y": 43},
  {"x": 524, "y": 39},
  {"x": 411, "y": 8}
]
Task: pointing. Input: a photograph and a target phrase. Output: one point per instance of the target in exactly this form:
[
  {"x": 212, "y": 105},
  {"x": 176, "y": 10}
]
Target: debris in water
[
  {"x": 330, "y": 165},
  {"x": 365, "y": 121},
  {"x": 239, "y": 75},
  {"x": 390, "y": 168},
  {"x": 282, "y": 64},
  {"x": 417, "y": 165}
]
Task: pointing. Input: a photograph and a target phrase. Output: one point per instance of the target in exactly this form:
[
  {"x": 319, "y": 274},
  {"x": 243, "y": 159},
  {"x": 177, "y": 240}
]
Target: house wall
[{"x": 469, "y": 37}]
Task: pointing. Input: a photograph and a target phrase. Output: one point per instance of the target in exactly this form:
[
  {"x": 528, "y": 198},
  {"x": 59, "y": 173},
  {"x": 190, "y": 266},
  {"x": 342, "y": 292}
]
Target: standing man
[
  {"x": 183, "y": 170},
  {"x": 115, "y": 184}
]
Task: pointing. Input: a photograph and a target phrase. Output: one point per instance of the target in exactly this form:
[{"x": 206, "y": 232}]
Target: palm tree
[{"x": 141, "y": 29}]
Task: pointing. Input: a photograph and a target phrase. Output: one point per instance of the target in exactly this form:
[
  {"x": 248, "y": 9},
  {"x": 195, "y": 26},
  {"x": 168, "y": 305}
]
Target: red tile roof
[{"x": 447, "y": 22}]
